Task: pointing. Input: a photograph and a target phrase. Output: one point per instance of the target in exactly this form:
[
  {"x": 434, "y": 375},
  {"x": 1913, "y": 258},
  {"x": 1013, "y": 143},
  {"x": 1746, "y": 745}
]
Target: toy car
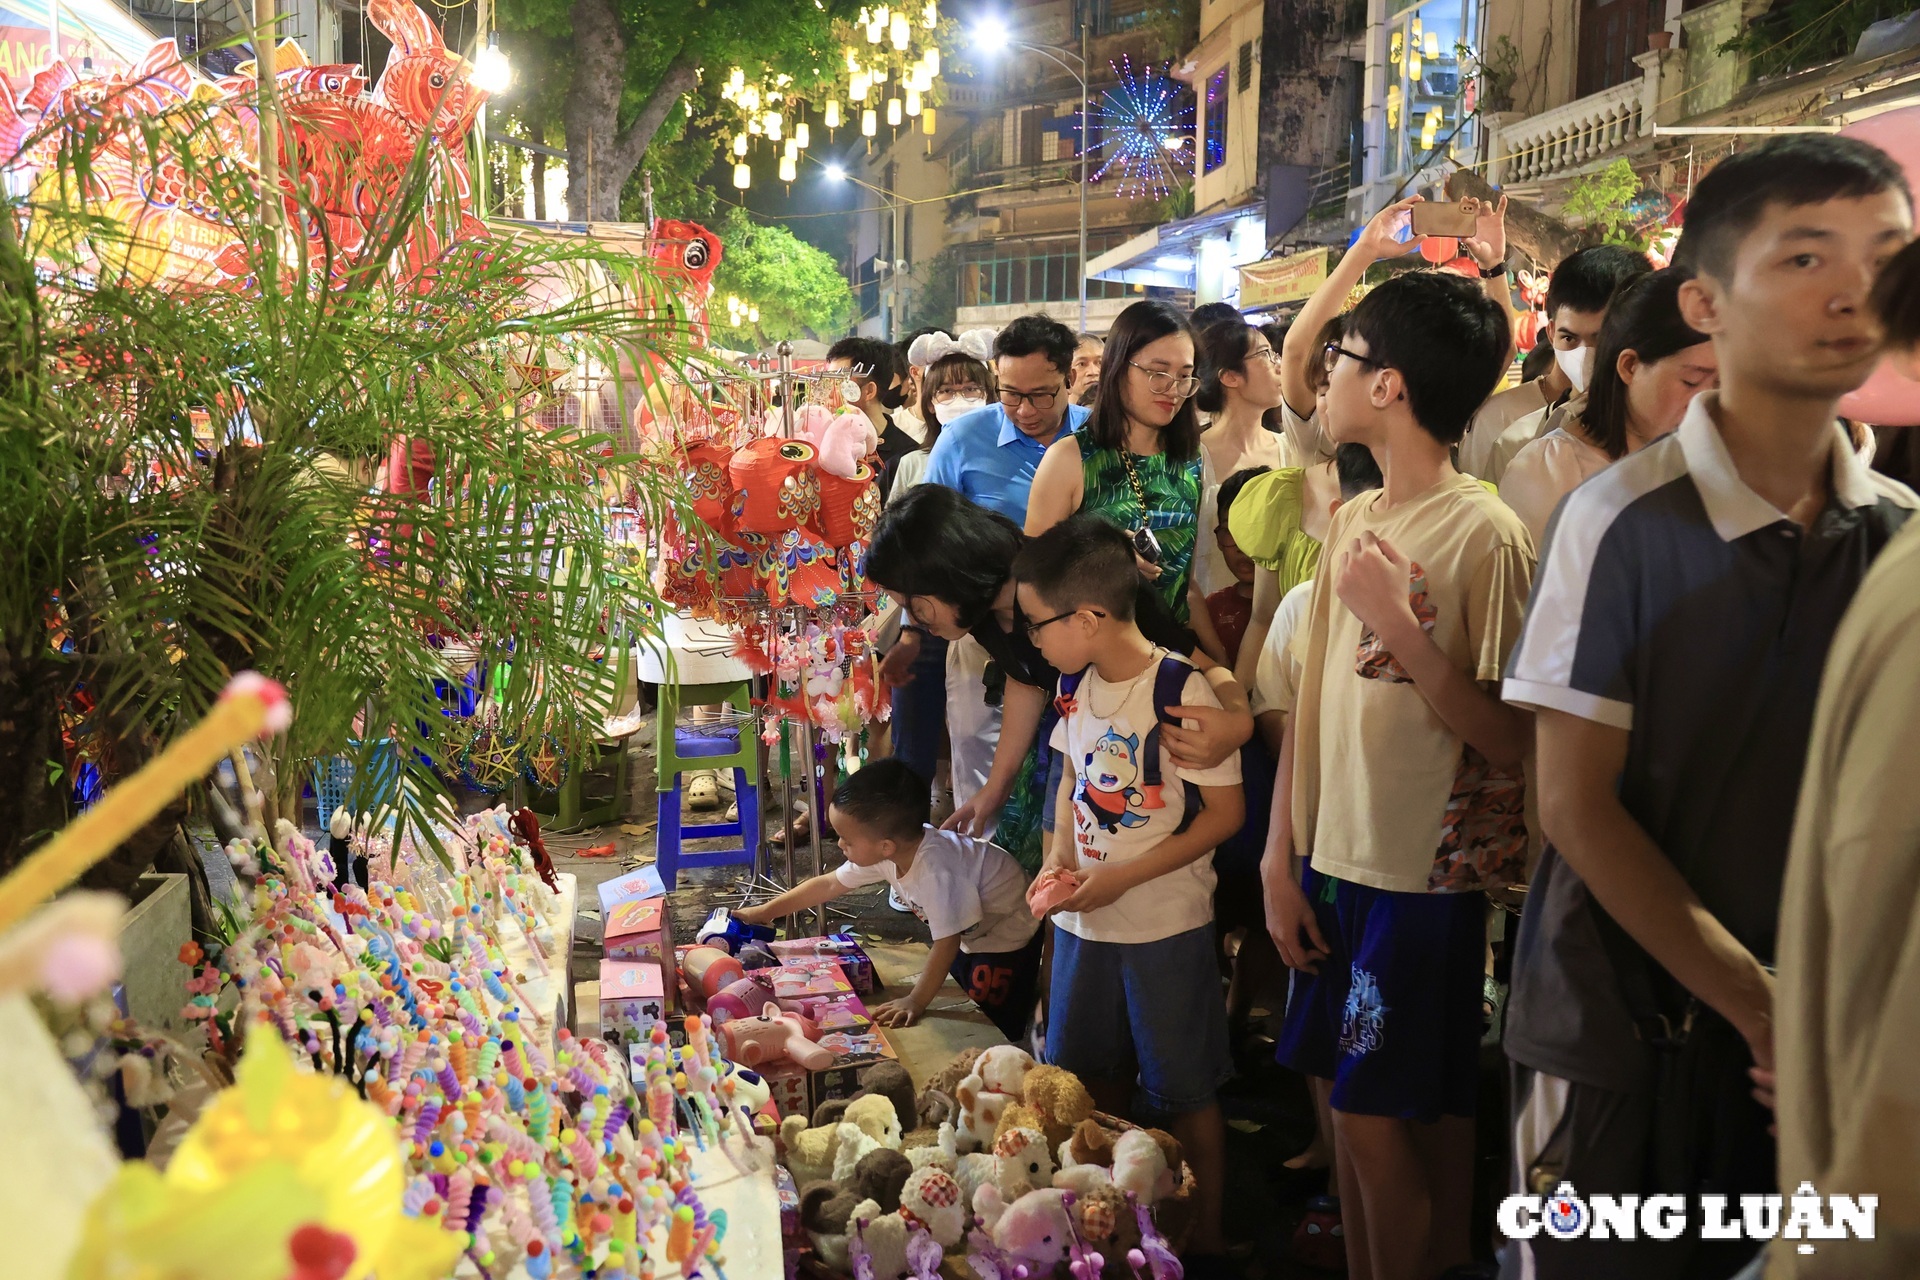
[{"x": 723, "y": 930}]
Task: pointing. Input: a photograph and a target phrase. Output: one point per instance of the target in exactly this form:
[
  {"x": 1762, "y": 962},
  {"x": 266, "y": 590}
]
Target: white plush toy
[
  {"x": 933, "y": 1198},
  {"x": 1140, "y": 1166},
  {"x": 1018, "y": 1163},
  {"x": 985, "y": 1093},
  {"x": 885, "y": 1236}
]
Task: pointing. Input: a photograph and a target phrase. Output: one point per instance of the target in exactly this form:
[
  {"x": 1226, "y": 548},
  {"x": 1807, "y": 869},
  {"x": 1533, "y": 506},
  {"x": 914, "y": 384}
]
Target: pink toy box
[
  {"x": 639, "y": 929},
  {"x": 632, "y": 998},
  {"x": 841, "y": 948}
]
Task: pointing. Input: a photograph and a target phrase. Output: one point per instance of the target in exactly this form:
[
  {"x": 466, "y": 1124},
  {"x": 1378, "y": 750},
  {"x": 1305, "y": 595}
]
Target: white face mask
[
  {"x": 949, "y": 410},
  {"x": 1575, "y": 364}
]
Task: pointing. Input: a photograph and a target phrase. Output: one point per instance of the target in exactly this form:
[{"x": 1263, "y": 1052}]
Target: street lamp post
[
  {"x": 896, "y": 265},
  {"x": 992, "y": 36}
]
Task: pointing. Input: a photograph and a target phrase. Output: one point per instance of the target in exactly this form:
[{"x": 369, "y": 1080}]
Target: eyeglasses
[
  {"x": 1161, "y": 383},
  {"x": 1271, "y": 356},
  {"x": 1331, "y": 353},
  {"x": 956, "y": 391},
  {"x": 1040, "y": 400},
  {"x": 1034, "y": 627}
]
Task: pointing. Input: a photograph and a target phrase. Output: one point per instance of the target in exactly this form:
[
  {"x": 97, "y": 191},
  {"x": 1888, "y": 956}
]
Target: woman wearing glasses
[
  {"x": 1137, "y": 460},
  {"x": 1239, "y": 386}
]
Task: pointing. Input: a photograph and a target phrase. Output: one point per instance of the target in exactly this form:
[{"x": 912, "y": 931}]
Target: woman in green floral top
[{"x": 1137, "y": 459}]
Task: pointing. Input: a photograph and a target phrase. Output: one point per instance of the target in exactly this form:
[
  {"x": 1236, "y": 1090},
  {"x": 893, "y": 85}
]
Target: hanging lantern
[
  {"x": 742, "y": 177},
  {"x": 900, "y": 31},
  {"x": 802, "y": 135},
  {"x": 873, "y": 33},
  {"x": 869, "y": 122},
  {"x": 930, "y": 16},
  {"x": 933, "y": 60},
  {"x": 753, "y": 125},
  {"x": 926, "y": 122},
  {"x": 1396, "y": 48},
  {"x": 753, "y": 313},
  {"x": 1413, "y": 64},
  {"x": 857, "y": 87},
  {"x": 921, "y": 81},
  {"x": 750, "y": 98},
  {"x": 788, "y": 170},
  {"x": 1393, "y": 106},
  {"x": 853, "y": 60},
  {"x": 913, "y": 102},
  {"x": 1432, "y": 45},
  {"x": 791, "y": 151},
  {"x": 737, "y": 81},
  {"x": 833, "y": 113},
  {"x": 893, "y": 112},
  {"x": 1415, "y": 27},
  {"x": 1430, "y": 130},
  {"x": 1439, "y": 249},
  {"x": 740, "y": 144},
  {"x": 880, "y": 73},
  {"x": 775, "y": 123}
]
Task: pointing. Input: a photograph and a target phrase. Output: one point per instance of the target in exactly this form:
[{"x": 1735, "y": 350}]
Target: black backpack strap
[{"x": 1063, "y": 701}]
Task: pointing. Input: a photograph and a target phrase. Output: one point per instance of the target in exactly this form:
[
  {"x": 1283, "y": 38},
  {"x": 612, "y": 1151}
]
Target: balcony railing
[{"x": 1586, "y": 131}]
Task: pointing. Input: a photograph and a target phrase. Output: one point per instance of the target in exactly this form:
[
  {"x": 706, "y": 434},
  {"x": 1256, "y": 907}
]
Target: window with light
[{"x": 1429, "y": 87}]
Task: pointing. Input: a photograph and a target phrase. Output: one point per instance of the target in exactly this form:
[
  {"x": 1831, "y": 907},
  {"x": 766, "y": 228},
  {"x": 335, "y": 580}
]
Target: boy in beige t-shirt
[{"x": 1400, "y": 781}]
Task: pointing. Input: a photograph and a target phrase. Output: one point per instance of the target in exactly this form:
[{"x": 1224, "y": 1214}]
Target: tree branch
[{"x": 680, "y": 78}]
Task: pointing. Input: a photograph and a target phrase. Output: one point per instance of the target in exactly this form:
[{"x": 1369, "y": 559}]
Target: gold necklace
[{"x": 1126, "y": 690}]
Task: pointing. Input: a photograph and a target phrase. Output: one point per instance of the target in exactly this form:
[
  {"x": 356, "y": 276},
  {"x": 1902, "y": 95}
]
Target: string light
[{"x": 1142, "y": 121}]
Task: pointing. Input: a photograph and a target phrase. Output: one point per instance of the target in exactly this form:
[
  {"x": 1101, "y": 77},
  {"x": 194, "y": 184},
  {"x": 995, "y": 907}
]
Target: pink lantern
[{"x": 1888, "y": 398}]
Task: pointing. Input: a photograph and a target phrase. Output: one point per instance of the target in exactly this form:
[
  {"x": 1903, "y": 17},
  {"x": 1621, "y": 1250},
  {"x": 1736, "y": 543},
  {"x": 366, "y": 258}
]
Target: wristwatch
[{"x": 1497, "y": 269}]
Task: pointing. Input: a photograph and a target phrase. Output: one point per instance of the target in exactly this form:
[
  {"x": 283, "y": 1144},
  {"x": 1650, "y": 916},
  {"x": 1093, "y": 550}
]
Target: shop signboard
[{"x": 1282, "y": 280}]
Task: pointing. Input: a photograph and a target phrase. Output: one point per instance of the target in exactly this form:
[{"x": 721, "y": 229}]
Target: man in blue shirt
[{"x": 990, "y": 454}]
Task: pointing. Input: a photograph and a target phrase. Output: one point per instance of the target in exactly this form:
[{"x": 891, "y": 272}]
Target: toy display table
[
  {"x": 550, "y": 993},
  {"x": 951, "y": 1025}
]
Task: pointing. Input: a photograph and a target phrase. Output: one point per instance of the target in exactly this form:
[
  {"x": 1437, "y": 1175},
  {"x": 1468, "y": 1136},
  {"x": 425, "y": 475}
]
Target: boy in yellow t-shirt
[{"x": 1400, "y": 782}]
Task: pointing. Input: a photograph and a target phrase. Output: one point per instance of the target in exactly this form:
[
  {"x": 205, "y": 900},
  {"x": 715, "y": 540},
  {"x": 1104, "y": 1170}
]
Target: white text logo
[{"x": 1805, "y": 1215}]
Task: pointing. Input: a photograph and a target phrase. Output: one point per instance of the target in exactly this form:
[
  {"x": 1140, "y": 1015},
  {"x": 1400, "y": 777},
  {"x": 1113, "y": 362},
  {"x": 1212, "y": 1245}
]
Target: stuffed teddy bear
[
  {"x": 933, "y": 1199},
  {"x": 1061, "y": 1101},
  {"x": 1140, "y": 1165},
  {"x": 1091, "y": 1143},
  {"x": 888, "y": 1078},
  {"x": 885, "y": 1238},
  {"x": 826, "y": 1209},
  {"x": 1033, "y": 1230},
  {"x": 936, "y": 1104},
  {"x": 1018, "y": 1163},
  {"x": 811, "y": 1152},
  {"x": 868, "y": 1125},
  {"x": 994, "y": 1084},
  {"x": 1019, "y": 1115}
]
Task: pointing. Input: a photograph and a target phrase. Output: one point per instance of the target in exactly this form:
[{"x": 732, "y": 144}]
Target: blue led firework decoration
[{"x": 1144, "y": 128}]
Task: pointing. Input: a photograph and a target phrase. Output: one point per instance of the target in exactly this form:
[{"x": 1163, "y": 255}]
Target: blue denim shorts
[
  {"x": 1154, "y": 1006},
  {"x": 1393, "y": 1017}
]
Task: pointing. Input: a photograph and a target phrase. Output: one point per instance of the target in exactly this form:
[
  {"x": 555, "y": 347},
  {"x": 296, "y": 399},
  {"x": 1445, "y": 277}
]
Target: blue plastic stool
[{"x": 683, "y": 748}]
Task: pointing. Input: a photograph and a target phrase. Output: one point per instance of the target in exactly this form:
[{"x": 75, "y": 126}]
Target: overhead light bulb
[
  {"x": 913, "y": 102},
  {"x": 788, "y": 169},
  {"x": 900, "y": 31},
  {"x": 740, "y": 144},
  {"x": 836, "y": 172},
  {"x": 869, "y": 122},
  {"x": 802, "y": 135},
  {"x": 742, "y": 177},
  {"x": 893, "y": 112},
  {"x": 492, "y": 73},
  {"x": 926, "y": 122},
  {"x": 833, "y": 113}
]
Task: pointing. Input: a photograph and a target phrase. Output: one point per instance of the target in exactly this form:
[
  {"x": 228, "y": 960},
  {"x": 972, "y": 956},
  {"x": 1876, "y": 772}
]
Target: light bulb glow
[
  {"x": 492, "y": 73},
  {"x": 836, "y": 173},
  {"x": 742, "y": 177},
  {"x": 992, "y": 35},
  {"x": 869, "y": 122}
]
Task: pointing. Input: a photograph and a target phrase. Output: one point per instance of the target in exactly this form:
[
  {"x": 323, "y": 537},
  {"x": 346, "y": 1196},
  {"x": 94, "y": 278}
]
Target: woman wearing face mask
[
  {"x": 1647, "y": 367},
  {"x": 1137, "y": 459},
  {"x": 954, "y": 381},
  {"x": 1239, "y": 386}
]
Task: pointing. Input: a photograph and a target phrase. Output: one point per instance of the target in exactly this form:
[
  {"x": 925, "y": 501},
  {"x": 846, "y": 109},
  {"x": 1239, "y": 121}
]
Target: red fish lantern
[
  {"x": 775, "y": 487},
  {"x": 705, "y": 463},
  {"x": 849, "y": 507}
]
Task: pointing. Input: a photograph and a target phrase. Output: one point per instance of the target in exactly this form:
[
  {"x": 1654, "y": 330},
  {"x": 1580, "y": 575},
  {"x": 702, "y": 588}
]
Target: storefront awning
[
  {"x": 97, "y": 29},
  {"x": 1196, "y": 253}
]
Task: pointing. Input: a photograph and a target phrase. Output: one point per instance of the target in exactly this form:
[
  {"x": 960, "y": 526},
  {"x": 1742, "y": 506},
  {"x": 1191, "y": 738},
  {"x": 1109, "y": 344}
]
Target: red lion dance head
[{"x": 687, "y": 253}]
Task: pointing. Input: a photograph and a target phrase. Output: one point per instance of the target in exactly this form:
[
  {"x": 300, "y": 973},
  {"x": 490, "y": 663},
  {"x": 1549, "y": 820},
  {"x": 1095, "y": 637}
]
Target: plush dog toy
[
  {"x": 868, "y": 1125},
  {"x": 811, "y": 1153},
  {"x": 933, "y": 1198},
  {"x": 887, "y": 1078},
  {"x": 936, "y": 1105},
  {"x": 1141, "y": 1165},
  {"x": 826, "y": 1209},
  {"x": 1018, "y": 1163},
  {"x": 1059, "y": 1099},
  {"x": 994, "y": 1085},
  {"x": 1033, "y": 1230}
]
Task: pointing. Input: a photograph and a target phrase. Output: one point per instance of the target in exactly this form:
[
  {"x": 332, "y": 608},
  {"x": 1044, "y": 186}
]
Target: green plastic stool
[
  {"x": 685, "y": 748},
  {"x": 570, "y": 801}
]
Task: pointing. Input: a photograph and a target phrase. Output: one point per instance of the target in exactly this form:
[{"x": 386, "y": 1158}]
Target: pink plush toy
[
  {"x": 842, "y": 442},
  {"x": 709, "y": 970},
  {"x": 738, "y": 999},
  {"x": 1049, "y": 889},
  {"x": 753, "y": 1041}
]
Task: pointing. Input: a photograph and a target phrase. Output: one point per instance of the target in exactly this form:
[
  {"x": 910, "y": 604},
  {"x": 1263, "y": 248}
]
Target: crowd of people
[{"x": 1293, "y": 663}]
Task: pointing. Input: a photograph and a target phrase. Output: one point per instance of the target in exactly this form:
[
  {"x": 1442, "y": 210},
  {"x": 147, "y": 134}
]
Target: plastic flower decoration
[{"x": 285, "y": 1176}]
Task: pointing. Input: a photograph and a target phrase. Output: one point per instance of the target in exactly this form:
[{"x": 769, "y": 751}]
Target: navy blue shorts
[
  {"x": 1005, "y": 984},
  {"x": 1150, "y": 1010},
  {"x": 1393, "y": 1017}
]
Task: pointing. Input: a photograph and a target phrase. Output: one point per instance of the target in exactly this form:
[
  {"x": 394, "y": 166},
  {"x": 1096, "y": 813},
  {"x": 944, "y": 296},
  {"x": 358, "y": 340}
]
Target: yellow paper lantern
[
  {"x": 933, "y": 60},
  {"x": 1430, "y": 131},
  {"x": 893, "y": 112},
  {"x": 775, "y": 123},
  {"x": 926, "y": 122},
  {"x": 742, "y": 177},
  {"x": 913, "y": 102},
  {"x": 788, "y": 170},
  {"x": 900, "y": 31},
  {"x": 1393, "y": 106},
  {"x": 930, "y": 16},
  {"x": 740, "y": 144},
  {"x": 833, "y": 113},
  {"x": 1396, "y": 48},
  {"x": 873, "y": 33},
  {"x": 1432, "y": 45},
  {"x": 857, "y": 87},
  {"x": 802, "y": 136},
  {"x": 869, "y": 122},
  {"x": 1413, "y": 64},
  {"x": 853, "y": 60}
]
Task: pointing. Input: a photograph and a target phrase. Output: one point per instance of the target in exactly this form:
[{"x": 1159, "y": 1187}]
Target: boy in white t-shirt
[
  {"x": 971, "y": 895},
  {"x": 1134, "y": 980}
]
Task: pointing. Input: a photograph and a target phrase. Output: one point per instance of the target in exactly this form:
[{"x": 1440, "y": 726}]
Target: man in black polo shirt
[{"x": 1673, "y": 647}]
